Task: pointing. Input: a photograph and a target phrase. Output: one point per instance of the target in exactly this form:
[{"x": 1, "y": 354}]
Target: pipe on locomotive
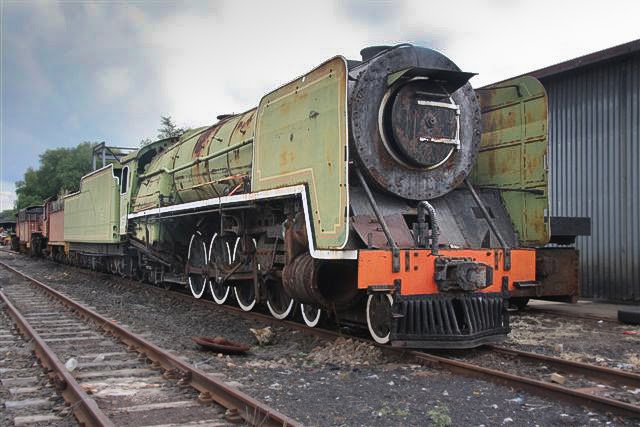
[
  {"x": 424, "y": 207},
  {"x": 198, "y": 160}
]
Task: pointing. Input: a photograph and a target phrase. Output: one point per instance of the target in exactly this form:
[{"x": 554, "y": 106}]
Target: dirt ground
[{"x": 342, "y": 382}]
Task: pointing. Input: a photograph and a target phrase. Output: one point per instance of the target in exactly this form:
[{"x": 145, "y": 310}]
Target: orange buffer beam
[{"x": 417, "y": 268}]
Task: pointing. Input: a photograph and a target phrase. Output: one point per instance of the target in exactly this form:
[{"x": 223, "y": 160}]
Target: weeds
[{"x": 440, "y": 416}]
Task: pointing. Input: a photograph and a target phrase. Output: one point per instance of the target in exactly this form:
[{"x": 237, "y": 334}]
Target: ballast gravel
[{"x": 318, "y": 382}]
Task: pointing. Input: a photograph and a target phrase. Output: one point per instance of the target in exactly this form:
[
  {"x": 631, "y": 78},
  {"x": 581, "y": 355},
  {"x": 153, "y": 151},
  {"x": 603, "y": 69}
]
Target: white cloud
[
  {"x": 501, "y": 39},
  {"x": 224, "y": 58},
  {"x": 7, "y": 195},
  {"x": 196, "y": 60},
  {"x": 114, "y": 82}
]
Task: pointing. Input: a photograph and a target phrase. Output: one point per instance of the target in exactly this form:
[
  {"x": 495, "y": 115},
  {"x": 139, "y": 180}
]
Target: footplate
[{"x": 449, "y": 321}]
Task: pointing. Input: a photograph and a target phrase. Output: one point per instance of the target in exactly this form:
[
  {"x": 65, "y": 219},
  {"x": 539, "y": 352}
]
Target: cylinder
[{"x": 323, "y": 283}]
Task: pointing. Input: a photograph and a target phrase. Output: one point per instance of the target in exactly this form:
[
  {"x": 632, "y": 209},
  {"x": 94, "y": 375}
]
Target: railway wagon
[
  {"x": 30, "y": 234},
  {"x": 384, "y": 193},
  {"x": 53, "y": 224}
]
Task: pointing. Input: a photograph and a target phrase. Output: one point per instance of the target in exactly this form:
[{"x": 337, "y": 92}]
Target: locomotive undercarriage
[{"x": 258, "y": 253}]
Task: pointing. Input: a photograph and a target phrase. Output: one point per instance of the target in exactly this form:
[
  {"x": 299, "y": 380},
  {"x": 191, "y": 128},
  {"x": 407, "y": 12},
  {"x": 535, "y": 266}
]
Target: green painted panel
[
  {"x": 513, "y": 153},
  {"x": 150, "y": 189},
  {"x": 92, "y": 214},
  {"x": 301, "y": 138}
]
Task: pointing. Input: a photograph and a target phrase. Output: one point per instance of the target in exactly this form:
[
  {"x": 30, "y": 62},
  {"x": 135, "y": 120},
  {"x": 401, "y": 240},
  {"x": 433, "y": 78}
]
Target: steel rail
[
  {"x": 530, "y": 309},
  {"x": 251, "y": 410},
  {"x": 541, "y": 388},
  {"x": 607, "y": 375},
  {"x": 538, "y": 387},
  {"x": 534, "y": 386},
  {"x": 84, "y": 408}
]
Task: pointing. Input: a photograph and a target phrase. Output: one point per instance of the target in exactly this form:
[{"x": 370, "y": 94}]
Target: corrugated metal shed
[{"x": 594, "y": 138}]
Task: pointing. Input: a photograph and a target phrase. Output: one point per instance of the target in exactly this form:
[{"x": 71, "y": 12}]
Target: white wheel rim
[
  {"x": 204, "y": 248},
  {"x": 376, "y": 338},
  {"x": 282, "y": 315},
  {"x": 223, "y": 299},
  {"x": 310, "y": 322},
  {"x": 244, "y": 307}
]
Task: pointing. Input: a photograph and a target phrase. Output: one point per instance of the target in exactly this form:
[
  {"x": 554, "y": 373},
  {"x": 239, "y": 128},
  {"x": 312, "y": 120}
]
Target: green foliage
[
  {"x": 8, "y": 215},
  {"x": 440, "y": 416},
  {"x": 60, "y": 171},
  {"x": 168, "y": 129}
]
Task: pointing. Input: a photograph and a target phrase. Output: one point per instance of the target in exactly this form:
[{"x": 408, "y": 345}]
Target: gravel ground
[
  {"x": 318, "y": 382},
  {"x": 604, "y": 343}
]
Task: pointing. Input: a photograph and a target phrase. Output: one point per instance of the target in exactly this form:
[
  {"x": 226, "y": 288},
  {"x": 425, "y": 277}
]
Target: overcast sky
[{"x": 78, "y": 71}]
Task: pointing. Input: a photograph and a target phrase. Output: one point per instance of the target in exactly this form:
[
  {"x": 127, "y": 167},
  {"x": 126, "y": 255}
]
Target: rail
[
  {"x": 251, "y": 410},
  {"x": 84, "y": 408},
  {"x": 541, "y": 388}
]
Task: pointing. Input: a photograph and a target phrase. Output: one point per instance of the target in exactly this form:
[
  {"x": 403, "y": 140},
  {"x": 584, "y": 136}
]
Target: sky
[{"x": 78, "y": 71}]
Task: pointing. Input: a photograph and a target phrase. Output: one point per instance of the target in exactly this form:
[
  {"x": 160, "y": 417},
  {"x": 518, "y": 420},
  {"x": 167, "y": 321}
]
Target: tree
[
  {"x": 8, "y": 215},
  {"x": 168, "y": 129},
  {"x": 60, "y": 170}
]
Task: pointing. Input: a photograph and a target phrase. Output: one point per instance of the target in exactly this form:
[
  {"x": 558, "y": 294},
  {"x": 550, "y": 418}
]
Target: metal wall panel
[{"x": 594, "y": 154}]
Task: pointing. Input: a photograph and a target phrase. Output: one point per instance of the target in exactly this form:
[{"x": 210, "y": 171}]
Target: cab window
[{"x": 124, "y": 180}]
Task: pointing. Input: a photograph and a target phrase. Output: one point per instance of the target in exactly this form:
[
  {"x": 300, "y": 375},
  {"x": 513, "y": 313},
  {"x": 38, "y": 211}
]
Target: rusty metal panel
[
  {"x": 557, "y": 270},
  {"x": 370, "y": 231},
  {"x": 301, "y": 138},
  {"x": 513, "y": 153},
  {"x": 594, "y": 135}
]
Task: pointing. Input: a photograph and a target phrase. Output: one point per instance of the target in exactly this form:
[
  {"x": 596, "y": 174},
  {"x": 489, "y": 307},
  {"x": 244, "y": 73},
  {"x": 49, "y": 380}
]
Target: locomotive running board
[{"x": 278, "y": 193}]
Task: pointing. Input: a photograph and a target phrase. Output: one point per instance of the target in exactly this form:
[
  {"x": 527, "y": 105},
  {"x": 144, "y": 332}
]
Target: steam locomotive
[{"x": 383, "y": 193}]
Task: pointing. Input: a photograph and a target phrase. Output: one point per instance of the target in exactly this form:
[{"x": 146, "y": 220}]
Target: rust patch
[
  {"x": 199, "y": 149},
  {"x": 286, "y": 158},
  {"x": 221, "y": 345}
]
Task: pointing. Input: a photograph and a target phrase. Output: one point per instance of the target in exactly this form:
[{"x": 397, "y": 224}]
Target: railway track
[
  {"x": 29, "y": 397},
  {"x": 576, "y": 372},
  {"x": 110, "y": 376}
]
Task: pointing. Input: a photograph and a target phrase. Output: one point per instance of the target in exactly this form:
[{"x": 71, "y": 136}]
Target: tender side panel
[
  {"x": 301, "y": 138},
  {"x": 92, "y": 214},
  {"x": 513, "y": 153},
  {"x": 417, "y": 268}
]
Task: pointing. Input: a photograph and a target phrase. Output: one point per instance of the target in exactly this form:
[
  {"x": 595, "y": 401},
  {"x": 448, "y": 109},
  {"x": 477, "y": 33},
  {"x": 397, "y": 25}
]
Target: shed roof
[
  {"x": 612, "y": 53},
  {"x": 615, "y": 52}
]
